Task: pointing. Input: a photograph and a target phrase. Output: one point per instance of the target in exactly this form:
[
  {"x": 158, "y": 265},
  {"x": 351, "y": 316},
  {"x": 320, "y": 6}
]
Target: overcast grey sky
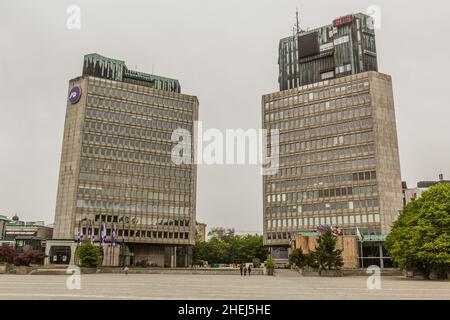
[{"x": 225, "y": 53}]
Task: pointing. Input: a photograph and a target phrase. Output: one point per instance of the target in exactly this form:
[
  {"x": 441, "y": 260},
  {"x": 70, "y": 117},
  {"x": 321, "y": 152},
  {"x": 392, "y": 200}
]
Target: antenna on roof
[{"x": 297, "y": 21}]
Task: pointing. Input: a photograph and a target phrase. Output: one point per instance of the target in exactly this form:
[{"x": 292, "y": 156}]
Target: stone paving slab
[{"x": 180, "y": 286}]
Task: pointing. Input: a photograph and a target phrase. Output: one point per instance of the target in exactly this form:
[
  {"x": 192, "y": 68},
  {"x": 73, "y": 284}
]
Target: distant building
[
  {"x": 3, "y": 221},
  {"x": 410, "y": 194},
  {"x": 201, "y": 231},
  {"x": 27, "y": 235}
]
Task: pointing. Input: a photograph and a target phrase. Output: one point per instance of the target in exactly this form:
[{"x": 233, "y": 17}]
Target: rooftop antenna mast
[{"x": 297, "y": 21}]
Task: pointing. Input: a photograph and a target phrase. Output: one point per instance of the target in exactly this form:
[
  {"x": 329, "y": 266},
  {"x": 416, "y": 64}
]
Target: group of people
[{"x": 244, "y": 270}]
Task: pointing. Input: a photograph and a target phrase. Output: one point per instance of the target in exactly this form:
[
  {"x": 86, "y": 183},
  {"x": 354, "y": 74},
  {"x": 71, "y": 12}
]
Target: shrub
[
  {"x": 7, "y": 253},
  {"x": 298, "y": 258},
  {"x": 88, "y": 255},
  {"x": 269, "y": 263}
]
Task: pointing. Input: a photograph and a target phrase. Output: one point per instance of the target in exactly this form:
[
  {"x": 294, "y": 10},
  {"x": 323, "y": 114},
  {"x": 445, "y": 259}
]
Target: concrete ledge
[
  {"x": 211, "y": 271},
  {"x": 221, "y": 271},
  {"x": 386, "y": 272},
  {"x": 48, "y": 272},
  {"x": 349, "y": 272}
]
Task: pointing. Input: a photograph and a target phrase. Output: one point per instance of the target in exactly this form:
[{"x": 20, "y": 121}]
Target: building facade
[
  {"x": 339, "y": 159},
  {"x": 201, "y": 231},
  {"x": 410, "y": 194},
  {"x": 118, "y": 185},
  {"x": 3, "y": 221},
  {"x": 25, "y": 235},
  {"x": 344, "y": 47}
]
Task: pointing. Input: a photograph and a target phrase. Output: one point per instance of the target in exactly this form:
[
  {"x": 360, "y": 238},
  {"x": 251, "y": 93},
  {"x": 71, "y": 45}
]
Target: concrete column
[
  {"x": 174, "y": 257},
  {"x": 381, "y": 255}
]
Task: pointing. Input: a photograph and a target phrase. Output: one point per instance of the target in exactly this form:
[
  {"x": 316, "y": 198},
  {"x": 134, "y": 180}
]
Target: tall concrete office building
[
  {"x": 338, "y": 149},
  {"x": 117, "y": 181}
]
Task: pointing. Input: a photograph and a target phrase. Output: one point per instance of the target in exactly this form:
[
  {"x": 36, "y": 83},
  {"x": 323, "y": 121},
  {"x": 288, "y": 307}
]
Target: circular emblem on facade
[{"x": 75, "y": 95}]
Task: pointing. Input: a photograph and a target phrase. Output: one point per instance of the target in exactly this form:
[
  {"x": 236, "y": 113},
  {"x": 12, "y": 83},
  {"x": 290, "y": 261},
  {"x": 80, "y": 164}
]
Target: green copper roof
[{"x": 103, "y": 67}]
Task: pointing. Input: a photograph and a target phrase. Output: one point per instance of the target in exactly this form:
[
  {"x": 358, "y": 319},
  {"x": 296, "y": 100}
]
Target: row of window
[
  {"x": 137, "y": 194},
  {"x": 313, "y": 109},
  {"x": 129, "y": 155},
  {"x": 322, "y": 193},
  {"x": 133, "y": 182},
  {"x": 153, "y": 221},
  {"x": 121, "y": 142},
  {"x": 324, "y": 206},
  {"x": 325, "y": 167},
  {"x": 151, "y": 99},
  {"x": 323, "y": 119},
  {"x": 130, "y": 131},
  {"x": 317, "y": 181},
  {"x": 322, "y": 94},
  {"x": 332, "y": 129},
  {"x": 130, "y": 168},
  {"x": 327, "y": 155},
  {"x": 142, "y": 234},
  {"x": 136, "y": 120},
  {"x": 325, "y": 220},
  {"x": 154, "y": 234},
  {"x": 137, "y": 108},
  {"x": 134, "y": 207}
]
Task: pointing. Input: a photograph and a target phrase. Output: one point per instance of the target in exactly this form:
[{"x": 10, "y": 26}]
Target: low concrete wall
[
  {"x": 222, "y": 271},
  {"x": 206, "y": 271},
  {"x": 363, "y": 272},
  {"x": 349, "y": 272}
]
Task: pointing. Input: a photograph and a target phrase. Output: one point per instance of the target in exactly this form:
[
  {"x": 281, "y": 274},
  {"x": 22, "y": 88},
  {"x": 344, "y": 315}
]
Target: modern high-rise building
[
  {"x": 344, "y": 47},
  {"x": 338, "y": 149},
  {"x": 117, "y": 183}
]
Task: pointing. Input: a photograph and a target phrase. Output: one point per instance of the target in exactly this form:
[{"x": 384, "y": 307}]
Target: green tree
[
  {"x": 311, "y": 260},
  {"x": 245, "y": 248},
  {"x": 229, "y": 248},
  {"x": 420, "y": 238},
  {"x": 326, "y": 255},
  {"x": 88, "y": 254},
  {"x": 298, "y": 258},
  {"x": 269, "y": 263}
]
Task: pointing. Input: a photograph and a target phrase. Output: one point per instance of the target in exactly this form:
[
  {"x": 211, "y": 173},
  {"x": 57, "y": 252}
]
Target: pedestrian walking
[
  {"x": 241, "y": 268},
  {"x": 249, "y": 270},
  {"x": 245, "y": 271}
]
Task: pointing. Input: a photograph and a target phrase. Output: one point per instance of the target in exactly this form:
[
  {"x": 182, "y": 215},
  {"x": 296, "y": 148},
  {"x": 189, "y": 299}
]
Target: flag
[
  {"x": 92, "y": 234},
  {"x": 358, "y": 234},
  {"x": 103, "y": 234},
  {"x": 89, "y": 232},
  {"x": 337, "y": 232},
  {"x": 80, "y": 233},
  {"x": 113, "y": 235},
  {"x": 323, "y": 229}
]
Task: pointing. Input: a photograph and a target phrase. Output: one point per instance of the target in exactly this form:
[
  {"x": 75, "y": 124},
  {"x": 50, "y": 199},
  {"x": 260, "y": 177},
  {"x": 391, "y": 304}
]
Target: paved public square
[{"x": 177, "y": 286}]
